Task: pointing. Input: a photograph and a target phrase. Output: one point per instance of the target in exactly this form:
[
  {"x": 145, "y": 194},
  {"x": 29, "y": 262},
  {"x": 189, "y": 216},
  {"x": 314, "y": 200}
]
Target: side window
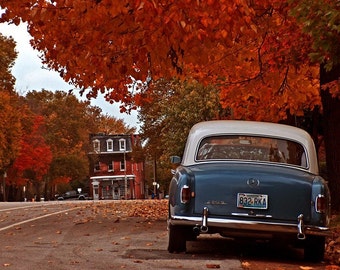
[
  {"x": 122, "y": 145},
  {"x": 97, "y": 167},
  {"x": 96, "y": 145},
  {"x": 122, "y": 165},
  {"x": 109, "y": 145},
  {"x": 110, "y": 167}
]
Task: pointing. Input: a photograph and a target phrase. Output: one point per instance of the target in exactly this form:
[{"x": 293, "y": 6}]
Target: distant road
[{"x": 13, "y": 214}]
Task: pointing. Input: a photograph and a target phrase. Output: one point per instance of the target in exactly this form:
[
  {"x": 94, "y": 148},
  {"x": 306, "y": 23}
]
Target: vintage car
[{"x": 249, "y": 179}]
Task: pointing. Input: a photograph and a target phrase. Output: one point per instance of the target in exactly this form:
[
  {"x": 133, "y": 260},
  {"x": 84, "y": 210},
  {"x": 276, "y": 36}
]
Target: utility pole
[
  {"x": 125, "y": 178},
  {"x": 4, "y": 175}
]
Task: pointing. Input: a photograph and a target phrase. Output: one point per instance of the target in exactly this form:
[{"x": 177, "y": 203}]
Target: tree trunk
[
  {"x": 37, "y": 193},
  {"x": 331, "y": 129}
]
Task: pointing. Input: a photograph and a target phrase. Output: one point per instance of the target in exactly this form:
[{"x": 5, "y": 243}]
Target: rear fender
[
  {"x": 320, "y": 188},
  {"x": 183, "y": 177}
]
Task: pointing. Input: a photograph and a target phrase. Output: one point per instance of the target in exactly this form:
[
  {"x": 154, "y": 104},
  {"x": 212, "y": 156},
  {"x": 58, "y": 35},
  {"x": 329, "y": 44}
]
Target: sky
[{"x": 30, "y": 74}]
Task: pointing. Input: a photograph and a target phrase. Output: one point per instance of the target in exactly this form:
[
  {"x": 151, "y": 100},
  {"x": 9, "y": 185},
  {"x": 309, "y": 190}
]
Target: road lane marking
[
  {"x": 36, "y": 218},
  {"x": 19, "y": 207}
]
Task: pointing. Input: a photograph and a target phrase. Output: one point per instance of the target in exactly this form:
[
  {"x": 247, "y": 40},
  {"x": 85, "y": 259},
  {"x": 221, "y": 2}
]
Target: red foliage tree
[{"x": 35, "y": 157}]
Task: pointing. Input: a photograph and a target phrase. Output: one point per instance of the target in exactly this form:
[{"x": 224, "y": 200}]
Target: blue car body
[{"x": 249, "y": 179}]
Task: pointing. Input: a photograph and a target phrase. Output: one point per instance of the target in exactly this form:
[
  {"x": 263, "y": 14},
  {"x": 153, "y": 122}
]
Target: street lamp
[
  {"x": 155, "y": 188},
  {"x": 24, "y": 190}
]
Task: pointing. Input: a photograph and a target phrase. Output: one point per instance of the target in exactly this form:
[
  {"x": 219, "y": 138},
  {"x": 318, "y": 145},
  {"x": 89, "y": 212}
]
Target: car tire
[
  {"x": 177, "y": 239},
  {"x": 314, "y": 248}
]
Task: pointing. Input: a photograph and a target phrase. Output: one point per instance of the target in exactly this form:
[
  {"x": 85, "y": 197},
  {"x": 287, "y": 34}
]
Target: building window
[
  {"x": 96, "y": 145},
  {"x": 109, "y": 145},
  {"x": 110, "y": 167},
  {"x": 122, "y": 145},
  {"x": 97, "y": 167},
  {"x": 122, "y": 165}
]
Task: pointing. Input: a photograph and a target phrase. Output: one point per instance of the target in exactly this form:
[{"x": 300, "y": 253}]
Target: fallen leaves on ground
[
  {"x": 152, "y": 210},
  {"x": 117, "y": 210},
  {"x": 245, "y": 265},
  {"x": 306, "y": 268},
  {"x": 332, "y": 252},
  {"x": 332, "y": 267}
]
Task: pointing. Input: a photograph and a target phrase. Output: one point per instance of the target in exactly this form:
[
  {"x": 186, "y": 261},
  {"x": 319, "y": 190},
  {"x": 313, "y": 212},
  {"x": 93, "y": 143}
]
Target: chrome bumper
[{"x": 249, "y": 225}]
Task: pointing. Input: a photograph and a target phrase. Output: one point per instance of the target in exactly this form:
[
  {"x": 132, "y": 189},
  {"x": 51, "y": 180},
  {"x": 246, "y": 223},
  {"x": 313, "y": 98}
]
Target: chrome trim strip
[
  {"x": 249, "y": 215},
  {"x": 251, "y": 225}
]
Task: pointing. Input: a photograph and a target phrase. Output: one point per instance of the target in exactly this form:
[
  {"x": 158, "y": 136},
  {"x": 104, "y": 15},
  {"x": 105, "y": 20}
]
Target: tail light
[
  {"x": 185, "y": 194},
  {"x": 320, "y": 204}
]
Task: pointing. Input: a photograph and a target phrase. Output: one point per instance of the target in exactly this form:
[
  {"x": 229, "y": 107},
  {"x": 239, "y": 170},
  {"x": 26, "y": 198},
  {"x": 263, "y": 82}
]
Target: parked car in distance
[
  {"x": 72, "y": 195},
  {"x": 244, "y": 179}
]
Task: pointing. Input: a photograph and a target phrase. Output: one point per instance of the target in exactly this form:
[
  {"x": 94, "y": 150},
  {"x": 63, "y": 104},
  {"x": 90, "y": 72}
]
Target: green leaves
[
  {"x": 321, "y": 21},
  {"x": 7, "y": 58},
  {"x": 171, "y": 110}
]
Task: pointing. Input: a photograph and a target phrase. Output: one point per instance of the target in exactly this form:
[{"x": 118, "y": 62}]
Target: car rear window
[{"x": 231, "y": 147}]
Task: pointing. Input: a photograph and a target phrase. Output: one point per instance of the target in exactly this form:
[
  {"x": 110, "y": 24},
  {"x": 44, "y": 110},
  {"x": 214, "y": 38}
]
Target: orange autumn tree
[
  {"x": 101, "y": 45},
  {"x": 10, "y": 113},
  {"x": 34, "y": 160},
  {"x": 255, "y": 51}
]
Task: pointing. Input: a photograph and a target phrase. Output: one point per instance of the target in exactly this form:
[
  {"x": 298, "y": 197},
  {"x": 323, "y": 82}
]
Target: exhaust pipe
[
  {"x": 300, "y": 234},
  {"x": 204, "y": 227},
  {"x": 197, "y": 230}
]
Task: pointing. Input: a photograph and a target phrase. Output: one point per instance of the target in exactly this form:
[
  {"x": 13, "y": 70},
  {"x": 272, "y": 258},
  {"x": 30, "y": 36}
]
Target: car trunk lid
[{"x": 252, "y": 190}]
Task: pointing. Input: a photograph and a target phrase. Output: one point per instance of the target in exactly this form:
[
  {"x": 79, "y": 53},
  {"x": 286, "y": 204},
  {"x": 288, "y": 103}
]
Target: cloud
[{"x": 30, "y": 74}]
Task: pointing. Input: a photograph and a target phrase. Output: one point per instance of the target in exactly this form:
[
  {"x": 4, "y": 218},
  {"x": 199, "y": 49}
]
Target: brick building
[{"x": 113, "y": 173}]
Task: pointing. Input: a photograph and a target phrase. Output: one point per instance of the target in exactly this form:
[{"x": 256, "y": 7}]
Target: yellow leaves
[
  {"x": 245, "y": 265},
  {"x": 139, "y": 4},
  {"x": 253, "y": 26}
]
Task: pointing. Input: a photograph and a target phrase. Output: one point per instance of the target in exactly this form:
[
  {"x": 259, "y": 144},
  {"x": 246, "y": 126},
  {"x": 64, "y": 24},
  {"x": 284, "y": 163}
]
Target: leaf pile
[
  {"x": 147, "y": 209},
  {"x": 332, "y": 253}
]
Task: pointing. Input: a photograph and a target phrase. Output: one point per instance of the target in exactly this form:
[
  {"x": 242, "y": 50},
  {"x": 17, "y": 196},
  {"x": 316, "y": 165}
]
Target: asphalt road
[{"x": 81, "y": 235}]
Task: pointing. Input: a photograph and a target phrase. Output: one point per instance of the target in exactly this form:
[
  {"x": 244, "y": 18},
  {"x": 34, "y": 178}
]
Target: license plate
[{"x": 253, "y": 201}]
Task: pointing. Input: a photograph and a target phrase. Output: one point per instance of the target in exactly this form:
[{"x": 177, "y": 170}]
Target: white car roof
[{"x": 224, "y": 127}]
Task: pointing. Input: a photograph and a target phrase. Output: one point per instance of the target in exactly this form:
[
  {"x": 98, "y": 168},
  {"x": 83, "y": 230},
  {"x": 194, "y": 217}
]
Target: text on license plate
[{"x": 254, "y": 201}]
